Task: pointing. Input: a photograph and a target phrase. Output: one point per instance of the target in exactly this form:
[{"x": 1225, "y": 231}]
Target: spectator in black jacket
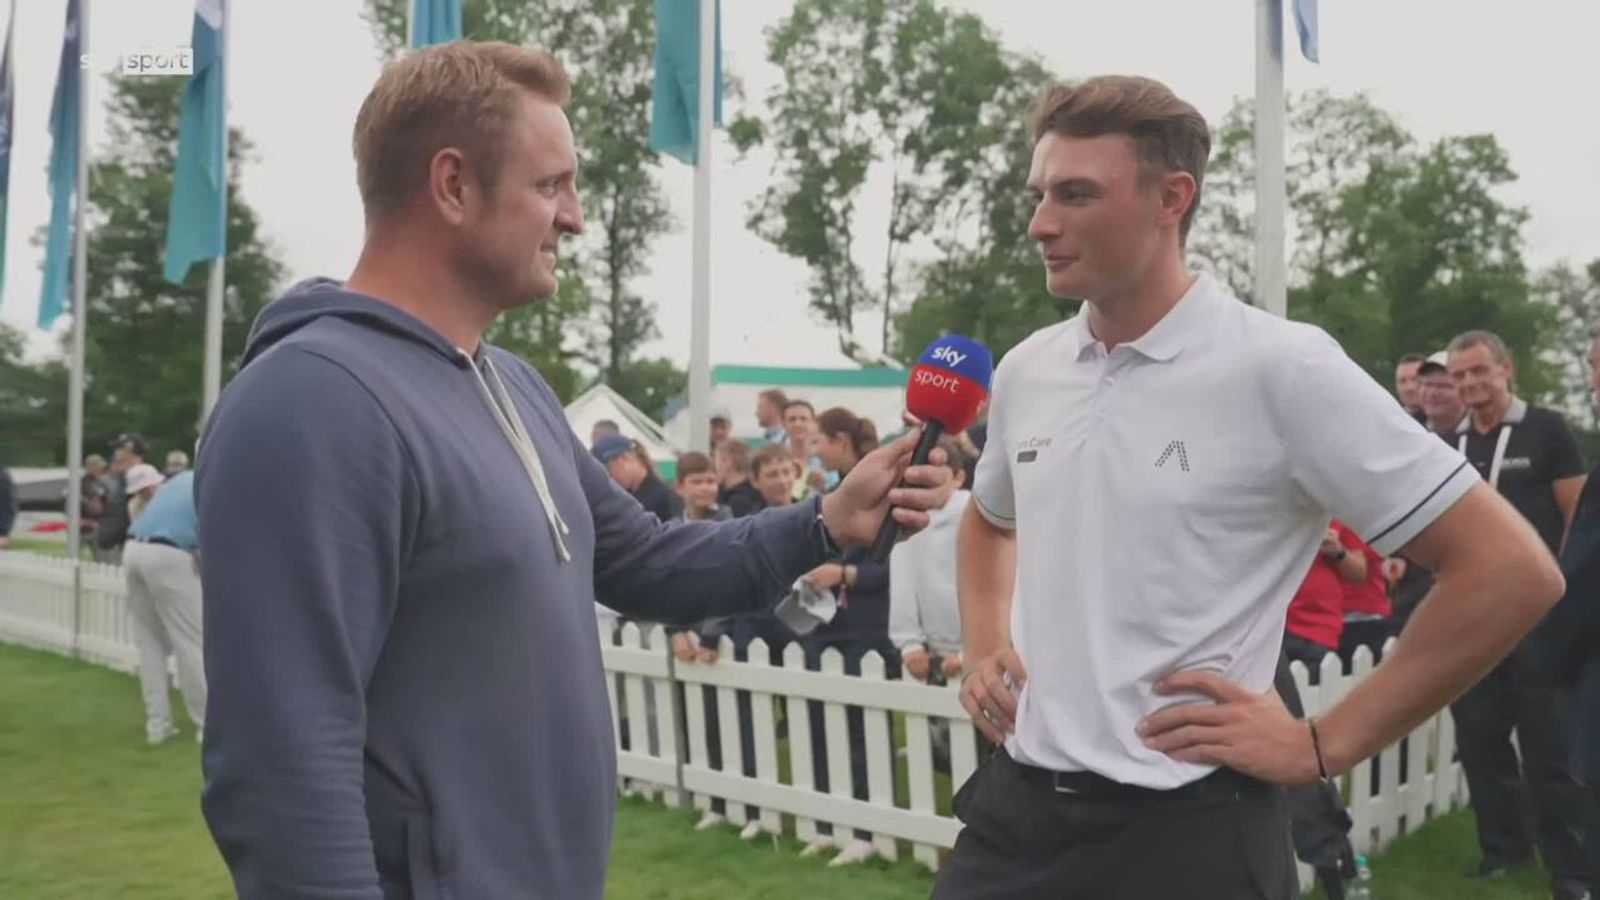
[
  {"x": 634, "y": 472},
  {"x": 861, "y": 624},
  {"x": 733, "y": 473}
]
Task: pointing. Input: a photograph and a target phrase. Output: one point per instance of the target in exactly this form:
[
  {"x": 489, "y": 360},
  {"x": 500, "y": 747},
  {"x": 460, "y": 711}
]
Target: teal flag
[
  {"x": 63, "y": 173},
  {"x": 434, "y": 22},
  {"x": 675, "y": 104},
  {"x": 197, "y": 216}
]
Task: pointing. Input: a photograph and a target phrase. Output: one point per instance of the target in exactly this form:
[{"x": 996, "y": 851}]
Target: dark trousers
[
  {"x": 1309, "y": 653},
  {"x": 1543, "y": 787},
  {"x": 1370, "y": 633},
  {"x": 853, "y": 649},
  {"x": 1224, "y": 838}
]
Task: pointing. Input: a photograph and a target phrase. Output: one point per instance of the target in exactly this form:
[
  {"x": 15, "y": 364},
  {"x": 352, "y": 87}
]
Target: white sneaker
[
  {"x": 855, "y": 852},
  {"x": 709, "y": 821},
  {"x": 160, "y": 737},
  {"x": 818, "y": 845},
  {"x": 750, "y": 832}
]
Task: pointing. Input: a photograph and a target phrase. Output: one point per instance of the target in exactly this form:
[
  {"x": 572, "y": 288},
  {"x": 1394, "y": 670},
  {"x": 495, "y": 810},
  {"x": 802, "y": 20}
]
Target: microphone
[{"x": 947, "y": 387}]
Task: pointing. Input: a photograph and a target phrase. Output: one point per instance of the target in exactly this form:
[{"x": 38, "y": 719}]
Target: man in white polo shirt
[{"x": 1160, "y": 472}]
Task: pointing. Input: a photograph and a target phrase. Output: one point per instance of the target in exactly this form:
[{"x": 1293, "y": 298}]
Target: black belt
[
  {"x": 1222, "y": 784},
  {"x": 160, "y": 542}
]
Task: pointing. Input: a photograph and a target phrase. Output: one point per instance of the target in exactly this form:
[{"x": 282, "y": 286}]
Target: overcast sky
[{"x": 300, "y": 68}]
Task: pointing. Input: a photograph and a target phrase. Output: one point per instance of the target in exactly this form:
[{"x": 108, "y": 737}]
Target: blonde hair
[{"x": 461, "y": 94}]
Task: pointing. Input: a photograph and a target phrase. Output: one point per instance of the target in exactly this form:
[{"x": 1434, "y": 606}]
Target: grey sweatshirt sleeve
[
  {"x": 684, "y": 572},
  {"x": 307, "y": 505}
]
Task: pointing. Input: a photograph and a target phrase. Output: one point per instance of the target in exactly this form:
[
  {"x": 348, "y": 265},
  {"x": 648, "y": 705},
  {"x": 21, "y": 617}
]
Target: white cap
[{"x": 143, "y": 476}]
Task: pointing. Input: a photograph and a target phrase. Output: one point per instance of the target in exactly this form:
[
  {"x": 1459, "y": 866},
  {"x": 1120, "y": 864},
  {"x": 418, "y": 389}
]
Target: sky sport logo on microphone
[{"x": 949, "y": 382}]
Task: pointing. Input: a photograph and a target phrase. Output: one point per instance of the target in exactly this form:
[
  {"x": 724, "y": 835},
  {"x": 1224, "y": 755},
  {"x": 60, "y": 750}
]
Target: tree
[
  {"x": 607, "y": 48},
  {"x": 144, "y": 341},
  {"x": 650, "y": 384},
  {"x": 989, "y": 282},
  {"x": 33, "y": 405},
  {"x": 896, "y": 93},
  {"x": 1397, "y": 246},
  {"x": 1573, "y": 295}
]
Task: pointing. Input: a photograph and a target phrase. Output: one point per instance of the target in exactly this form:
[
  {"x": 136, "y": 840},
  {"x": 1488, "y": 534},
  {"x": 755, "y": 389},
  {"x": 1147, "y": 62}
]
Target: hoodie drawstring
[{"x": 510, "y": 422}]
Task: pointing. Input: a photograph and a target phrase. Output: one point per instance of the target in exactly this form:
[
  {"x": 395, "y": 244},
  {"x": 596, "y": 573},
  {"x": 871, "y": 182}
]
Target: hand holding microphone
[{"x": 946, "y": 390}]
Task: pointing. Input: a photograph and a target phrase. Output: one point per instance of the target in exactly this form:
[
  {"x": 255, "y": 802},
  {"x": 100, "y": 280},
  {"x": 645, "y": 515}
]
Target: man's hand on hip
[{"x": 1245, "y": 731}]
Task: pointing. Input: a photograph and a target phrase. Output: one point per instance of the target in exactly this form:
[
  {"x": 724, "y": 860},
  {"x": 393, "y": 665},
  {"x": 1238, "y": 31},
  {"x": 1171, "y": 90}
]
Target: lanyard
[{"x": 1499, "y": 453}]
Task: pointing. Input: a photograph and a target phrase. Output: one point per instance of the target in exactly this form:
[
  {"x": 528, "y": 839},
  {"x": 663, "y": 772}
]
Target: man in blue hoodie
[{"x": 405, "y": 540}]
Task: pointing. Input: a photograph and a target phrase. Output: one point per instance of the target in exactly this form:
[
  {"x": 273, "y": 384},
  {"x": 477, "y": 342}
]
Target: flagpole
[
  {"x": 700, "y": 310},
  {"x": 1271, "y": 269},
  {"x": 80, "y": 315},
  {"x": 216, "y": 284}
]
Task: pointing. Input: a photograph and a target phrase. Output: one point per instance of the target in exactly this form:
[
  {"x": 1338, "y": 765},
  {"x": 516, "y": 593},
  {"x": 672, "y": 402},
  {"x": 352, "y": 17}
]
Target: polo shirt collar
[
  {"x": 1515, "y": 413},
  {"x": 1176, "y": 330}
]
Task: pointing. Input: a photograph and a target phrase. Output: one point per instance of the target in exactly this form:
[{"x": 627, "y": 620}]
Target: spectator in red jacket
[
  {"x": 1316, "y": 614},
  {"x": 1368, "y": 611}
]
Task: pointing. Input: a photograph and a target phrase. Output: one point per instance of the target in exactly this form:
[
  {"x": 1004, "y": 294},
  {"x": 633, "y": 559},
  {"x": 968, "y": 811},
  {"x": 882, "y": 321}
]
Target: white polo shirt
[{"x": 1169, "y": 497}]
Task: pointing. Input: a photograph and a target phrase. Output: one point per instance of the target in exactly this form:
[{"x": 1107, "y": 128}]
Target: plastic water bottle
[{"x": 1361, "y": 888}]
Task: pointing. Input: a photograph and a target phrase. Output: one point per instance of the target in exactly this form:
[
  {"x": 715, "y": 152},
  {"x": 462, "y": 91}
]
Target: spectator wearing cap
[
  {"x": 601, "y": 429},
  {"x": 733, "y": 475},
  {"x": 1442, "y": 409},
  {"x": 128, "y": 451},
  {"x": 162, "y": 568},
  {"x": 1442, "y": 412},
  {"x": 1406, "y": 386},
  {"x": 142, "y": 480},
  {"x": 622, "y": 460},
  {"x": 769, "y": 415}
]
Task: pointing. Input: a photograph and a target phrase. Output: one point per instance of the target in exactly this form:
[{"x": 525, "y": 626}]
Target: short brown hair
[
  {"x": 1168, "y": 133},
  {"x": 798, "y": 402},
  {"x": 1497, "y": 347},
  {"x": 776, "y": 397},
  {"x": 770, "y": 455},
  {"x": 462, "y": 94},
  {"x": 737, "y": 453},
  {"x": 693, "y": 463}
]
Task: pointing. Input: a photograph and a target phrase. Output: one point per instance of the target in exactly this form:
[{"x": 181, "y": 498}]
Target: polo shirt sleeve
[
  {"x": 1353, "y": 450},
  {"x": 992, "y": 491}
]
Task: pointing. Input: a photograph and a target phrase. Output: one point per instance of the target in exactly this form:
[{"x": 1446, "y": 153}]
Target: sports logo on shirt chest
[
  {"x": 1175, "y": 454},
  {"x": 1028, "y": 450}
]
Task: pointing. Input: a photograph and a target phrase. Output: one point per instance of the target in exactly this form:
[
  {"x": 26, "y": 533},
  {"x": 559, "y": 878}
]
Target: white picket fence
[{"x": 660, "y": 717}]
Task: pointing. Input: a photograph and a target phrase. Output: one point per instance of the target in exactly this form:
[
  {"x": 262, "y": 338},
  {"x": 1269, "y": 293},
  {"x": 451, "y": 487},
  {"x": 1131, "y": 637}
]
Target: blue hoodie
[{"x": 406, "y": 694}]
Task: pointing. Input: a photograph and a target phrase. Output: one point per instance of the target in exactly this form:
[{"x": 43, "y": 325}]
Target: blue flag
[
  {"x": 197, "y": 215},
  {"x": 1305, "y": 22},
  {"x": 63, "y": 173},
  {"x": 8, "y": 93},
  {"x": 675, "y": 103},
  {"x": 434, "y": 22}
]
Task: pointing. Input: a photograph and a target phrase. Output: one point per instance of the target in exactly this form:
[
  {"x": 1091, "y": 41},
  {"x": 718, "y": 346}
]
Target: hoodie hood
[{"x": 314, "y": 298}]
